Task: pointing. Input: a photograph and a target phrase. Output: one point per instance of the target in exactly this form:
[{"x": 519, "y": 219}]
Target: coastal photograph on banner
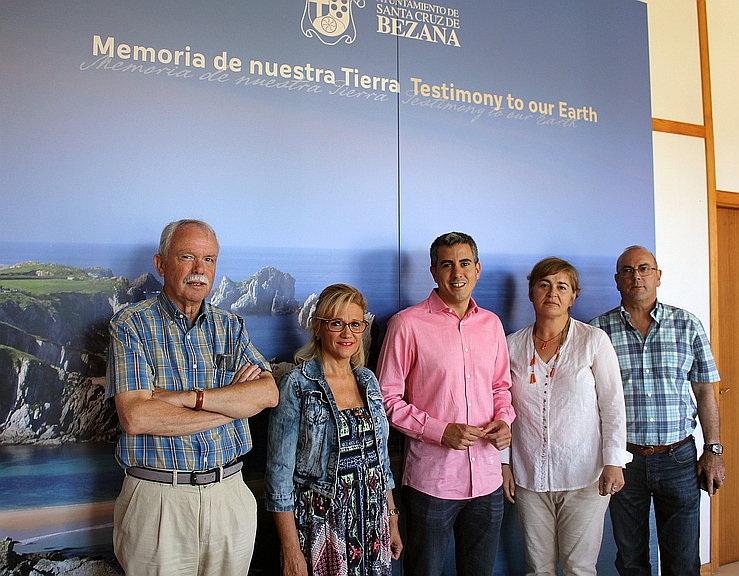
[{"x": 324, "y": 142}]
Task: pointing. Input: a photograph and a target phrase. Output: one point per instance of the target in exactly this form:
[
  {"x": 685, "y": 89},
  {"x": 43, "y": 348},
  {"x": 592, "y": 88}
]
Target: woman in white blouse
[{"x": 569, "y": 436}]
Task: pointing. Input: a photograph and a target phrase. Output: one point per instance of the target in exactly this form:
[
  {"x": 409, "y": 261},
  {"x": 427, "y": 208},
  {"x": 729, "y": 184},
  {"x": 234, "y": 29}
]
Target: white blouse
[{"x": 570, "y": 425}]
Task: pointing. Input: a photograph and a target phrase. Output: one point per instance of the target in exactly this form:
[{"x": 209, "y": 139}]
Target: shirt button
[
  {"x": 466, "y": 349},
  {"x": 473, "y": 458},
  {"x": 468, "y": 376},
  {"x": 469, "y": 403}
]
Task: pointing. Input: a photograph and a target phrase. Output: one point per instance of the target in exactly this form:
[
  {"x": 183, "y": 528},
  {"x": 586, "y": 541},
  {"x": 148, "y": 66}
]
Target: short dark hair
[
  {"x": 553, "y": 265},
  {"x": 166, "y": 239},
  {"x": 452, "y": 239}
]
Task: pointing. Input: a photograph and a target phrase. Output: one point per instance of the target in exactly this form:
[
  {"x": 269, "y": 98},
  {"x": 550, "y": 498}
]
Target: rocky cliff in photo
[
  {"x": 53, "y": 341},
  {"x": 268, "y": 292}
]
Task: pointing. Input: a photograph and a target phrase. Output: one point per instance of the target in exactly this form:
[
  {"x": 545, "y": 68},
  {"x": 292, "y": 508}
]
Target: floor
[{"x": 729, "y": 569}]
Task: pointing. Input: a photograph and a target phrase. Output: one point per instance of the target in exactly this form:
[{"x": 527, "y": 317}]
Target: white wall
[{"x": 679, "y": 161}]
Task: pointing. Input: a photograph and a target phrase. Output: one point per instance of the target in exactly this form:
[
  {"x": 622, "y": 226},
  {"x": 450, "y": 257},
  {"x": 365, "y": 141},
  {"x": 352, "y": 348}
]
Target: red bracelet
[{"x": 199, "y": 400}]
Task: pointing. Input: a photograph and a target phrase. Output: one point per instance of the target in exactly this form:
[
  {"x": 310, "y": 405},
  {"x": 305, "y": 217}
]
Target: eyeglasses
[
  {"x": 337, "y": 325},
  {"x": 642, "y": 269}
]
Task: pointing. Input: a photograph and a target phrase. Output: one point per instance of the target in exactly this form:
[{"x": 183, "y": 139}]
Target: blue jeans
[
  {"x": 430, "y": 520},
  {"x": 671, "y": 480}
]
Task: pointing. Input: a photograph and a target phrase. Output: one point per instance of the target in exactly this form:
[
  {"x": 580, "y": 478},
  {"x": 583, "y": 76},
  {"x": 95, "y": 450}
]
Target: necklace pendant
[{"x": 545, "y": 345}]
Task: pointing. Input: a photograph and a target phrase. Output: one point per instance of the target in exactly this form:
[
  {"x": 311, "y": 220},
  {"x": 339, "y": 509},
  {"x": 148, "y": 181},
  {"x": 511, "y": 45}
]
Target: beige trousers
[
  {"x": 565, "y": 526},
  {"x": 166, "y": 530}
]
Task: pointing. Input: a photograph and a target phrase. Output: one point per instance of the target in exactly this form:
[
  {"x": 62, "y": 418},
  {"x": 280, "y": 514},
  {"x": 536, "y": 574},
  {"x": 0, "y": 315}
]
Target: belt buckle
[
  {"x": 195, "y": 476},
  {"x": 649, "y": 449}
]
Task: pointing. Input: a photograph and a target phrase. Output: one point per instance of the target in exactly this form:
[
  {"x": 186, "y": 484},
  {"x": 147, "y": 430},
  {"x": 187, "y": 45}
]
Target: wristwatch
[{"x": 717, "y": 449}]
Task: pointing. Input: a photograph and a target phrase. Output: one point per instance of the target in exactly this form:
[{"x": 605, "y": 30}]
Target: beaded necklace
[
  {"x": 562, "y": 335},
  {"x": 545, "y": 344}
]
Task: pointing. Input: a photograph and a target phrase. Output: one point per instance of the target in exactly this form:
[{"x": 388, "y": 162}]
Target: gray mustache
[{"x": 197, "y": 278}]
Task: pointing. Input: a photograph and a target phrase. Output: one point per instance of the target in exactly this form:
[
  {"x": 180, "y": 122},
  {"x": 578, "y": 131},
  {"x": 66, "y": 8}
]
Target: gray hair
[
  {"x": 452, "y": 239},
  {"x": 166, "y": 239}
]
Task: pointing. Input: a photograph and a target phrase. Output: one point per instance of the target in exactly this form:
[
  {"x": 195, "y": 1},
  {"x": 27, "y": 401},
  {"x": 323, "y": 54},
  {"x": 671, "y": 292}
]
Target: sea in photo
[
  {"x": 59, "y": 497},
  {"x": 390, "y": 280}
]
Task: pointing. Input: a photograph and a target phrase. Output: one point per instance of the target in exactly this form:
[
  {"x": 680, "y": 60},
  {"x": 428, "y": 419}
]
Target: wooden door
[{"x": 728, "y": 399}]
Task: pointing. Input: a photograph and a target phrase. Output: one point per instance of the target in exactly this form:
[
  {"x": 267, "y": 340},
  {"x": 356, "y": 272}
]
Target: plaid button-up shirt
[
  {"x": 152, "y": 345},
  {"x": 657, "y": 371}
]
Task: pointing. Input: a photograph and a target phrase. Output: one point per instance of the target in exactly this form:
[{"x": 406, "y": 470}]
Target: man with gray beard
[{"x": 185, "y": 377}]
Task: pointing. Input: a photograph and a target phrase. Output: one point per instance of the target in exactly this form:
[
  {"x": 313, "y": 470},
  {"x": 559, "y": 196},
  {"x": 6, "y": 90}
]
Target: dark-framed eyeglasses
[
  {"x": 337, "y": 325},
  {"x": 642, "y": 269}
]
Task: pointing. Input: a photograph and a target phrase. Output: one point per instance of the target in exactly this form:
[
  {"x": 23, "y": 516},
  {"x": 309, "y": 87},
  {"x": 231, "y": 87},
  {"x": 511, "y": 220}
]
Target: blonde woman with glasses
[{"x": 328, "y": 479}]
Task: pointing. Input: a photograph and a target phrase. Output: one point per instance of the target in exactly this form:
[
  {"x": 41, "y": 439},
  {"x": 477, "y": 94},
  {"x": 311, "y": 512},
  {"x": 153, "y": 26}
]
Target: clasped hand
[{"x": 461, "y": 436}]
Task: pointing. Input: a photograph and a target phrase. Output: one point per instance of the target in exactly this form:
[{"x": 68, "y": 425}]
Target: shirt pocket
[
  {"x": 223, "y": 378},
  {"x": 312, "y": 440},
  {"x": 377, "y": 409}
]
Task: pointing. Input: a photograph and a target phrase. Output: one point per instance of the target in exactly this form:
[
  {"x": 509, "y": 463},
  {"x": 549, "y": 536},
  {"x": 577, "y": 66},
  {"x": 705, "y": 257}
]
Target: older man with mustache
[{"x": 185, "y": 378}]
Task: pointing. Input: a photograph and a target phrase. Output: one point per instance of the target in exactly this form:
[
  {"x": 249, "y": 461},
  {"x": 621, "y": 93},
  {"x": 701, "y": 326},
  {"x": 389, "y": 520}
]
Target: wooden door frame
[
  {"x": 715, "y": 198},
  {"x": 727, "y": 206}
]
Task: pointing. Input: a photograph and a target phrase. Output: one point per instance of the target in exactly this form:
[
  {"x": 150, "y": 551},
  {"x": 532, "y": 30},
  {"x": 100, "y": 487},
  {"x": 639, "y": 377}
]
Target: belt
[
  {"x": 648, "y": 450},
  {"x": 193, "y": 478}
]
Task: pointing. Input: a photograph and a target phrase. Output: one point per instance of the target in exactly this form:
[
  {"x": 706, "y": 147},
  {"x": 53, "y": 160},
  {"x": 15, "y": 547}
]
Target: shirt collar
[
  {"x": 175, "y": 313},
  {"x": 657, "y": 313},
  {"x": 436, "y": 304},
  {"x": 313, "y": 370}
]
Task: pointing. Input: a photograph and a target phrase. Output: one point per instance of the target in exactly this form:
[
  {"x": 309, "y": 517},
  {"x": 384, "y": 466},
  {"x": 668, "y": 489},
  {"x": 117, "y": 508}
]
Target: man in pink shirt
[{"x": 445, "y": 379}]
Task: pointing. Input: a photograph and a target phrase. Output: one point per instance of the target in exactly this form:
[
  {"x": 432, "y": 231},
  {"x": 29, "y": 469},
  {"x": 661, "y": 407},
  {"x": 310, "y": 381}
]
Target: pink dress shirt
[{"x": 435, "y": 369}]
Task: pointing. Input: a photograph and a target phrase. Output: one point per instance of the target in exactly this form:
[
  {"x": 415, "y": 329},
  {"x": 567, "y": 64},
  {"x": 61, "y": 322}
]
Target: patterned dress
[{"x": 349, "y": 535}]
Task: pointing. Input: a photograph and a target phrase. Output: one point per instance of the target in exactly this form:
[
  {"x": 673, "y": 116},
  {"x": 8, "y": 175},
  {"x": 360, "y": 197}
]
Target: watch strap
[{"x": 199, "y": 400}]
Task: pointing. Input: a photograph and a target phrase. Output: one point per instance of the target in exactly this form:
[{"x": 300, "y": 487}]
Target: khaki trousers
[
  {"x": 565, "y": 526},
  {"x": 166, "y": 530}
]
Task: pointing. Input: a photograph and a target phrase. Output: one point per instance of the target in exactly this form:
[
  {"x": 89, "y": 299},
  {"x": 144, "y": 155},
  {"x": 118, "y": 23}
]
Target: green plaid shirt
[
  {"x": 153, "y": 346},
  {"x": 657, "y": 371}
]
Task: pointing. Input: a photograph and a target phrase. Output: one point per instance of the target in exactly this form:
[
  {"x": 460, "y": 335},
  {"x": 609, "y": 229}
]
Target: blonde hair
[{"x": 332, "y": 299}]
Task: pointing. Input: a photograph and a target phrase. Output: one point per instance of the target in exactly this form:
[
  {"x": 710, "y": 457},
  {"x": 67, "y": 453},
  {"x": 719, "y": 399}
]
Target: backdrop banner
[{"x": 325, "y": 141}]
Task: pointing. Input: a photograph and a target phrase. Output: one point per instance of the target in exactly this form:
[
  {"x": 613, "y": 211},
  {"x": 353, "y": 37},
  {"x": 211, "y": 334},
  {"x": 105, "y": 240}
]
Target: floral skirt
[{"x": 349, "y": 535}]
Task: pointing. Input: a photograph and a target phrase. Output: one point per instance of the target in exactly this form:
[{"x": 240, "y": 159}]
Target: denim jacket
[{"x": 303, "y": 437}]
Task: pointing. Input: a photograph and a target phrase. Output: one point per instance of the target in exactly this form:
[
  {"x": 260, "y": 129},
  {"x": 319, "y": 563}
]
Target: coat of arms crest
[{"x": 330, "y": 20}]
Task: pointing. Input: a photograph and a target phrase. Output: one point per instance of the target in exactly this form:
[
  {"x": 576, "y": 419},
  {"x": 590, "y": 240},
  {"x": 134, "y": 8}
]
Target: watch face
[{"x": 717, "y": 449}]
